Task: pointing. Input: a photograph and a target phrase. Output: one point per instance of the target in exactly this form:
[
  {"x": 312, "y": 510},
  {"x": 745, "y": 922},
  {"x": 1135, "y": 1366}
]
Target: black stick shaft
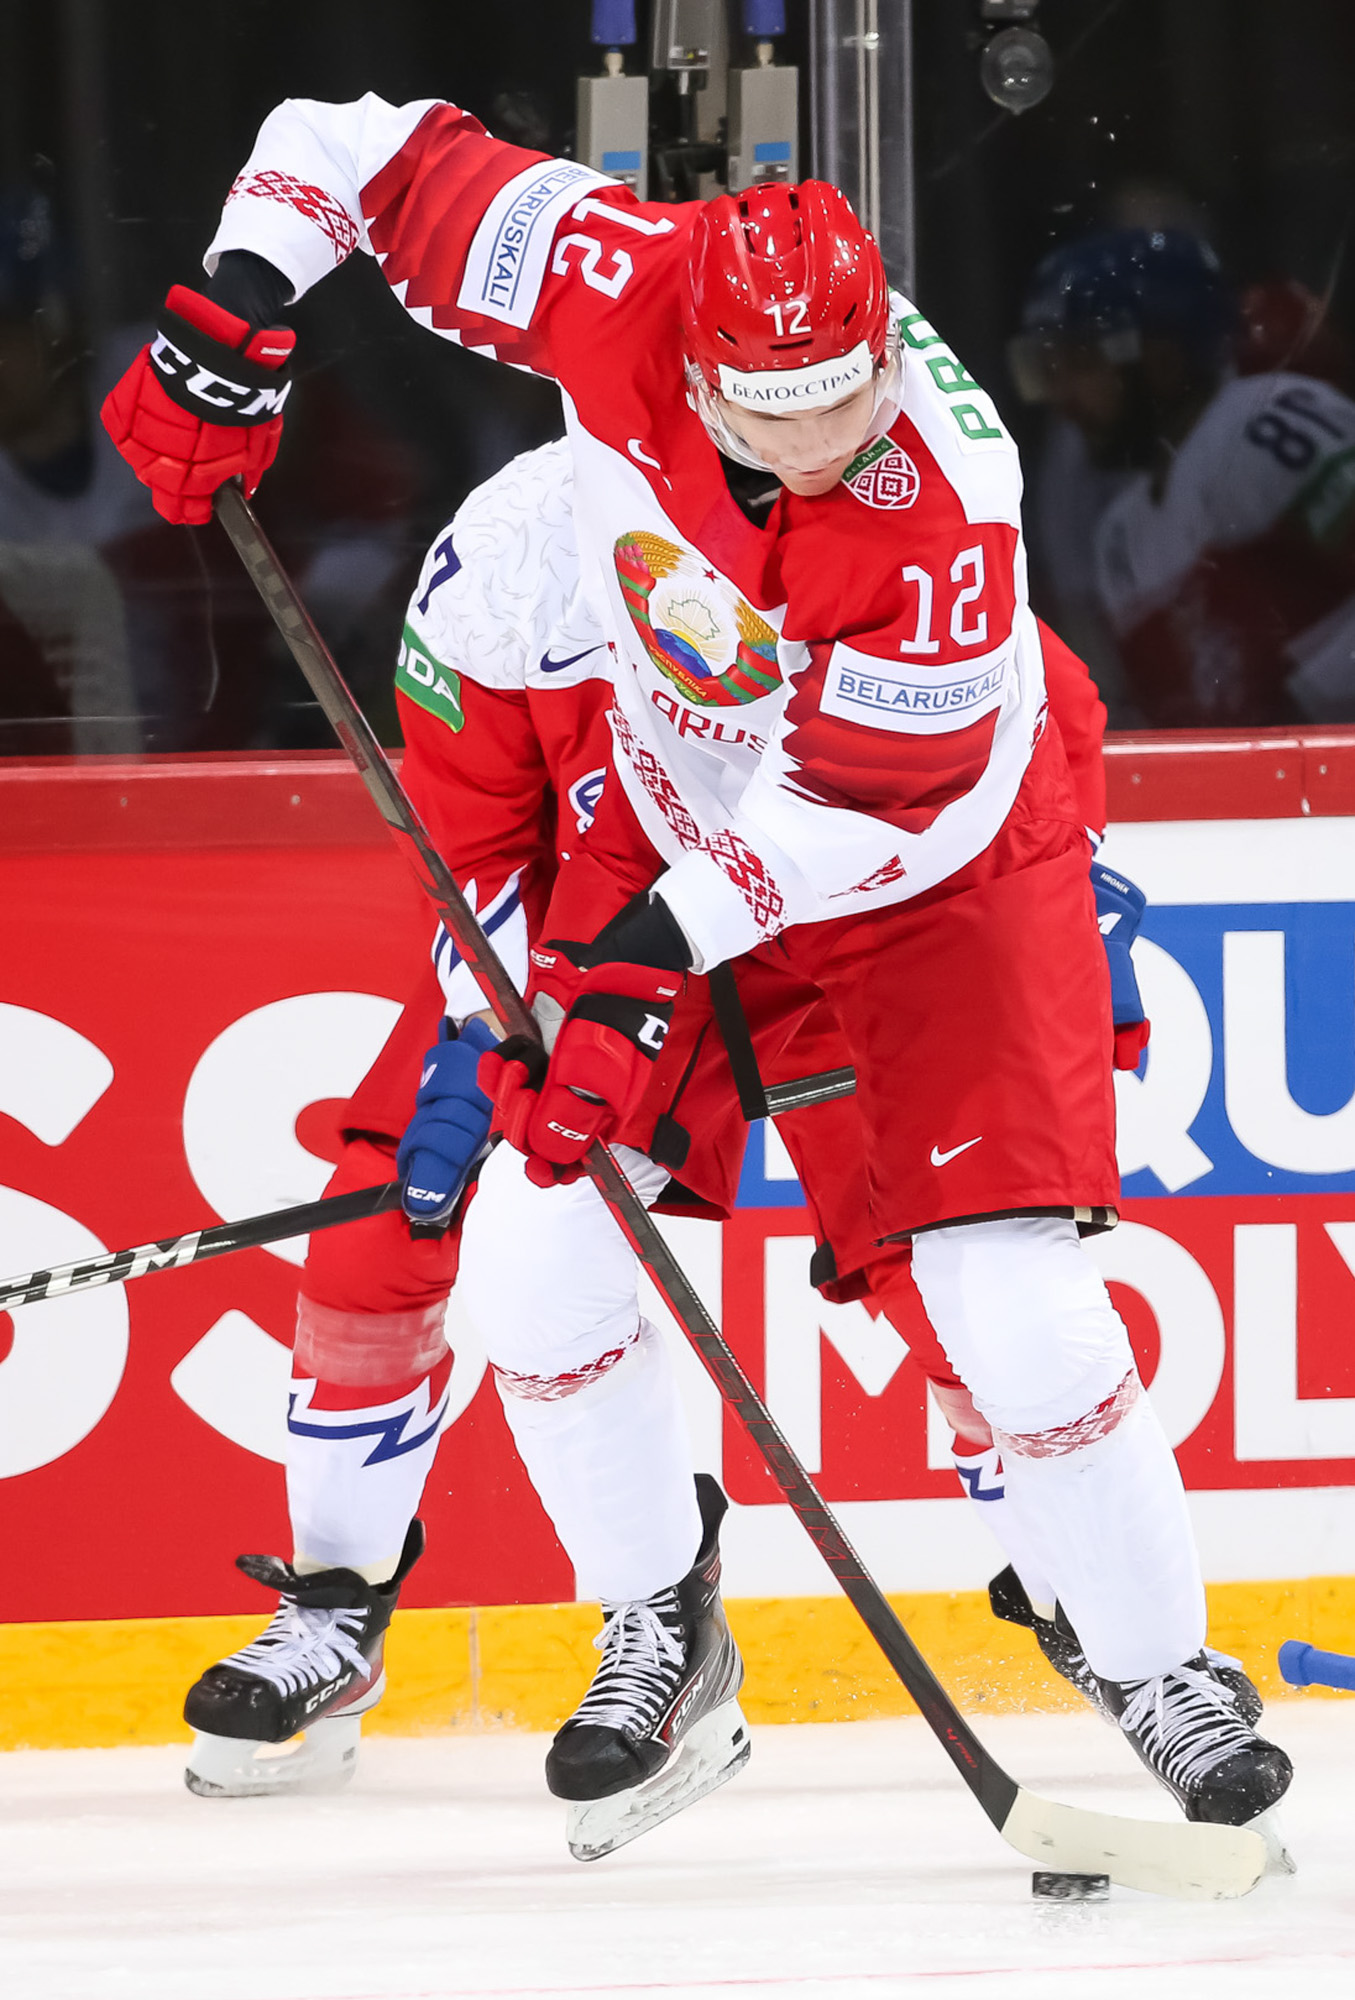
[
  {"x": 821, "y": 1088},
  {"x": 990, "y": 1784},
  {"x": 171, "y": 1253}
]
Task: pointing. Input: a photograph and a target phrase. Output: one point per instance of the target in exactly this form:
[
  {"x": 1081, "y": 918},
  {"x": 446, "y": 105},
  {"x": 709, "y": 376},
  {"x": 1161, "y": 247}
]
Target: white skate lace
[
  {"x": 302, "y": 1647},
  {"x": 642, "y": 1662},
  {"x": 1186, "y": 1723}
]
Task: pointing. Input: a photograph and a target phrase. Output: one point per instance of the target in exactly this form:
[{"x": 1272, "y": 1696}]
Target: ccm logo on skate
[
  {"x": 680, "y": 1713},
  {"x": 323, "y": 1694},
  {"x": 241, "y": 401}
]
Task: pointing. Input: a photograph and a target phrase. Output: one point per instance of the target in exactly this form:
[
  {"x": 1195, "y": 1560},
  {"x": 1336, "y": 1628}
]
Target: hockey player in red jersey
[
  {"x": 830, "y": 760},
  {"x": 503, "y": 712}
]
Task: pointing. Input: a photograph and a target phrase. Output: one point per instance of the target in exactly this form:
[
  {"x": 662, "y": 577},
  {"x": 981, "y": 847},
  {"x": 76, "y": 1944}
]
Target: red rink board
[{"x": 152, "y": 908}]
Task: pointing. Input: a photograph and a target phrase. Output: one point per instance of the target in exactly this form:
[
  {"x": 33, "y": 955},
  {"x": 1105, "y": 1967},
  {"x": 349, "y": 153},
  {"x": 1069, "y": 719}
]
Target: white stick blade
[{"x": 1180, "y": 1858}]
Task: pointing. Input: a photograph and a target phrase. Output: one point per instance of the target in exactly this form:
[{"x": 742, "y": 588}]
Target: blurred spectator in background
[
  {"x": 119, "y": 633},
  {"x": 65, "y": 674},
  {"x": 1284, "y": 328},
  {"x": 1222, "y": 557}
]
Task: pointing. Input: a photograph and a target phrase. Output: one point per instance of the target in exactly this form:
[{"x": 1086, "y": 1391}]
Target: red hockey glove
[
  {"x": 554, "y": 1110},
  {"x": 200, "y": 405}
]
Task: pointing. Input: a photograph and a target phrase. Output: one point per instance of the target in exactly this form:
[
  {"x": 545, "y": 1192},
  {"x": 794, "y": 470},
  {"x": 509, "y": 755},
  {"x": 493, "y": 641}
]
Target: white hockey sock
[
  {"x": 612, "y": 1465},
  {"x": 1095, "y": 1499},
  {"x": 1111, "y": 1526},
  {"x": 356, "y": 1472},
  {"x": 590, "y": 1395},
  {"x": 368, "y": 1394},
  {"x": 978, "y": 1466},
  {"x": 983, "y": 1477}
]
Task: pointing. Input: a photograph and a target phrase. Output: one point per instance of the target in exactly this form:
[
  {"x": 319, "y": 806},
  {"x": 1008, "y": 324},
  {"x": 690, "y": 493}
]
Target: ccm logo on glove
[
  {"x": 192, "y": 375},
  {"x": 449, "y": 1129},
  {"x": 200, "y": 405},
  {"x": 553, "y": 1111}
]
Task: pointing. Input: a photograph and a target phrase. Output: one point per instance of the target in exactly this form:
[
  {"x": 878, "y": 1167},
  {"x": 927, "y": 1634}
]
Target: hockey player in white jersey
[
  {"x": 833, "y": 765},
  {"x": 1226, "y": 565},
  {"x": 502, "y": 699}
]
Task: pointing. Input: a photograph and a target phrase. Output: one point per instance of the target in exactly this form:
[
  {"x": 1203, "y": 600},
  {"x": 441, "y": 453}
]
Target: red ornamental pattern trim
[
  {"x": 692, "y": 625},
  {"x": 554, "y": 1388},
  {"x": 748, "y": 872},
  {"x": 884, "y": 878},
  {"x": 315, "y": 203},
  {"x": 1066, "y": 1438},
  {"x": 745, "y": 868},
  {"x": 656, "y": 782}
]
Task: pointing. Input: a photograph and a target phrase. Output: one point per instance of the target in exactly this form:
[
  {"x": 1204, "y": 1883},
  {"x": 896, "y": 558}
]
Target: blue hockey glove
[
  {"x": 1119, "y": 911},
  {"x": 449, "y": 1128}
]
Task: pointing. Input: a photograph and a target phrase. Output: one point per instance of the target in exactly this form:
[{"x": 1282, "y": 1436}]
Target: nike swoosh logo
[
  {"x": 550, "y": 666},
  {"x": 430, "y": 1071},
  {"x": 939, "y": 1159}
]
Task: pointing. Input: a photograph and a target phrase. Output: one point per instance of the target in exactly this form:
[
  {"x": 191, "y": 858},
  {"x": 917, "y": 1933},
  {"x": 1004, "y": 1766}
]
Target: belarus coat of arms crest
[{"x": 709, "y": 643}]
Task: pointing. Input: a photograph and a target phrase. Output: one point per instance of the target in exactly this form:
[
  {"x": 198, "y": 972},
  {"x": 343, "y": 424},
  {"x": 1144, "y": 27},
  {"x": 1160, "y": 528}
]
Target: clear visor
[
  {"x": 1042, "y": 363},
  {"x": 710, "y": 406}
]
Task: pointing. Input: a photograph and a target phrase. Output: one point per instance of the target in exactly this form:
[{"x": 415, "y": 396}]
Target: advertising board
[{"x": 203, "y": 959}]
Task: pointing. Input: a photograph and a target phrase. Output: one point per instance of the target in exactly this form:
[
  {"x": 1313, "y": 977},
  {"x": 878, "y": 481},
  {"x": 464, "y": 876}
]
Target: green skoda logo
[{"x": 427, "y": 681}]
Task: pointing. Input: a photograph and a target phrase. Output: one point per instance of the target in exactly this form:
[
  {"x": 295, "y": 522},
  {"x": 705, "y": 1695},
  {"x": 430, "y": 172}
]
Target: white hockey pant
[
  {"x": 1096, "y": 1510},
  {"x": 587, "y": 1386},
  {"x": 368, "y": 1395}
]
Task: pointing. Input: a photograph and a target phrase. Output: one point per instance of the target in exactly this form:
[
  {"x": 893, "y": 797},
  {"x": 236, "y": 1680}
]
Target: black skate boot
[
  {"x": 1187, "y": 1729},
  {"x": 1063, "y": 1649},
  {"x": 661, "y": 1725},
  {"x": 318, "y": 1667}
]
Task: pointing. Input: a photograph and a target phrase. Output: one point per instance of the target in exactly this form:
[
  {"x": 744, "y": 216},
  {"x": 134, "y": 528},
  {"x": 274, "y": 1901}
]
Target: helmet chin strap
[{"x": 710, "y": 407}]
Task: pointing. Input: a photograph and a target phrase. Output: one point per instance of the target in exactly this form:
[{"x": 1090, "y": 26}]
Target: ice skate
[
  {"x": 661, "y": 1725},
  {"x": 312, "y": 1675},
  {"x": 1063, "y": 1649},
  {"x": 1187, "y": 1729}
]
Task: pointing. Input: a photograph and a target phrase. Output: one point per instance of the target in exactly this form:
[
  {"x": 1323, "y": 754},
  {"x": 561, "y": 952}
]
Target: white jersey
[
  {"x": 499, "y": 605},
  {"x": 499, "y": 595},
  {"x": 1227, "y": 589}
]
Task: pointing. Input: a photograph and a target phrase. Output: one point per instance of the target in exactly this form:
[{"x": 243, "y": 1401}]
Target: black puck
[{"x": 1054, "y": 1888}]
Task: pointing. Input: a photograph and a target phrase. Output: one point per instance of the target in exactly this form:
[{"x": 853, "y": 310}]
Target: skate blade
[
  {"x": 321, "y": 1760},
  {"x": 1279, "y": 1860},
  {"x": 710, "y": 1754}
]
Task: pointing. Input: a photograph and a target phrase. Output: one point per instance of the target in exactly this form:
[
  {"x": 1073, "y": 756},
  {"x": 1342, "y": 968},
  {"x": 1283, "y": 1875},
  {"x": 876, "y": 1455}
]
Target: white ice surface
[{"x": 847, "y": 1863}]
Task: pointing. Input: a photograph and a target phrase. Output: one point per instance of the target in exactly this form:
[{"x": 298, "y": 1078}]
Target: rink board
[
  {"x": 204, "y": 954},
  {"x": 76, "y": 1684}
]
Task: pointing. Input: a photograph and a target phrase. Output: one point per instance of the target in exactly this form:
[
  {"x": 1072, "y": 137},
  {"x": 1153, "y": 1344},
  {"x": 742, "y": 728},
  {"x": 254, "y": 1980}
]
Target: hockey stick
[
  {"x": 172, "y": 1252},
  {"x": 1180, "y": 1858}
]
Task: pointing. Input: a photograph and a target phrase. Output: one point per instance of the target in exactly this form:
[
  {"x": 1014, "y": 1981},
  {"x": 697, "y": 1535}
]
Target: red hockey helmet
[{"x": 786, "y": 306}]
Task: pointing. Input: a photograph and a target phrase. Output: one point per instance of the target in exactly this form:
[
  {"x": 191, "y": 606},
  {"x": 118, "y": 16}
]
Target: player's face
[{"x": 810, "y": 451}]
